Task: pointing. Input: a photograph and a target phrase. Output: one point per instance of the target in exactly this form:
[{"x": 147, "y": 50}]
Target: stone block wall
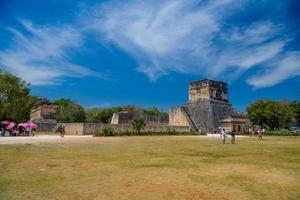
[
  {"x": 150, "y": 128},
  {"x": 45, "y": 127},
  {"x": 125, "y": 117},
  {"x": 177, "y": 117},
  {"x": 74, "y": 128},
  {"x": 206, "y": 113},
  {"x": 91, "y": 128},
  {"x": 208, "y": 90}
]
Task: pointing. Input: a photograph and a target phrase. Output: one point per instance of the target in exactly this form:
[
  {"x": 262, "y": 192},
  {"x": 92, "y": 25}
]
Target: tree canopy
[
  {"x": 69, "y": 111},
  {"x": 104, "y": 115},
  {"x": 15, "y": 99},
  {"x": 271, "y": 114}
]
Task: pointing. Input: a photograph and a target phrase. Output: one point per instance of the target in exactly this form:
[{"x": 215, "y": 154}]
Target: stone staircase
[
  {"x": 189, "y": 118},
  {"x": 57, "y": 126}
]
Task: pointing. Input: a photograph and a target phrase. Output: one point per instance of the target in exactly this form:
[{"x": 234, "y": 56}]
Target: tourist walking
[
  {"x": 259, "y": 132},
  {"x": 219, "y": 131},
  {"x": 62, "y": 131},
  {"x": 223, "y": 135},
  {"x": 250, "y": 130}
]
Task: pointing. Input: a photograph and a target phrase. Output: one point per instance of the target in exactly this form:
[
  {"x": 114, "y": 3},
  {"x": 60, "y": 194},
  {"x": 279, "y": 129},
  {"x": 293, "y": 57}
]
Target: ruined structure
[
  {"x": 43, "y": 111},
  {"x": 234, "y": 122},
  {"x": 208, "y": 104},
  {"x": 126, "y": 117}
]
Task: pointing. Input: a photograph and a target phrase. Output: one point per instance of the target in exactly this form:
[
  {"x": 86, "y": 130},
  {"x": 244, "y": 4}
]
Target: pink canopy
[
  {"x": 5, "y": 122},
  {"x": 32, "y": 125},
  {"x": 11, "y": 125},
  {"x": 28, "y": 125},
  {"x": 22, "y": 125}
]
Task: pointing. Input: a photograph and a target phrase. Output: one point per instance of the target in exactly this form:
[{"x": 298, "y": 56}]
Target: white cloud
[
  {"x": 287, "y": 67},
  {"x": 187, "y": 36},
  {"x": 190, "y": 36},
  {"x": 41, "y": 56}
]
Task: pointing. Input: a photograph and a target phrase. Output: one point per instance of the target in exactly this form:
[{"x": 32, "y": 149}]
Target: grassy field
[{"x": 190, "y": 167}]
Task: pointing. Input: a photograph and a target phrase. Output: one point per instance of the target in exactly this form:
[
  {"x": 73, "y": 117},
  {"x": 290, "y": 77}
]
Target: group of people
[
  {"x": 257, "y": 131},
  {"x": 224, "y": 133},
  {"x": 16, "y": 130}
]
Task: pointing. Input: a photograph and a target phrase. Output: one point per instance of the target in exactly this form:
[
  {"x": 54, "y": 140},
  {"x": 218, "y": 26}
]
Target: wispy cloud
[
  {"x": 40, "y": 54},
  {"x": 286, "y": 67},
  {"x": 190, "y": 37}
]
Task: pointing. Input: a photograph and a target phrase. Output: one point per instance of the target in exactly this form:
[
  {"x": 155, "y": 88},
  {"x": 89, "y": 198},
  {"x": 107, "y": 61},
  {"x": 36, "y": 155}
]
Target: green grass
[{"x": 189, "y": 167}]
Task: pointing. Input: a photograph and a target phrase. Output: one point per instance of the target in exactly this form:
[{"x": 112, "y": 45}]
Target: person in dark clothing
[
  {"x": 62, "y": 131},
  {"x": 233, "y": 133}
]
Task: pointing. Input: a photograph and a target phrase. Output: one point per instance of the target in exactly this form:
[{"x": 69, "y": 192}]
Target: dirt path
[
  {"x": 42, "y": 139},
  {"x": 72, "y": 139}
]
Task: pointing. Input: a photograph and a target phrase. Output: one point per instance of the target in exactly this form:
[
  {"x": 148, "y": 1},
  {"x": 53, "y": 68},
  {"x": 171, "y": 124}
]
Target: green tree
[
  {"x": 295, "y": 106},
  {"x": 69, "y": 111},
  {"x": 104, "y": 115},
  {"x": 270, "y": 114},
  {"x": 138, "y": 125},
  {"x": 154, "y": 111},
  {"x": 15, "y": 101}
]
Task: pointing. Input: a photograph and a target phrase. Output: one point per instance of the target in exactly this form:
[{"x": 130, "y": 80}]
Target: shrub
[
  {"x": 138, "y": 125},
  {"x": 279, "y": 132},
  {"x": 105, "y": 131}
]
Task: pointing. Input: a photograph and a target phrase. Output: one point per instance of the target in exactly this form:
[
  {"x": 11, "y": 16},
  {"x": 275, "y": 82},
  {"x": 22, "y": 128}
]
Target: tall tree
[
  {"x": 271, "y": 114},
  {"x": 69, "y": 111},
  {"x": 295, "y": 105},
  {"x": 15, "y": 101}
]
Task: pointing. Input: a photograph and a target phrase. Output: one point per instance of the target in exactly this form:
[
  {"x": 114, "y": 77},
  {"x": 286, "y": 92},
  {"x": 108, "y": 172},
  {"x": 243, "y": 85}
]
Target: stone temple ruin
[
  {"x": 207, "y": 109},
  {"x": 43, "y": 111}
]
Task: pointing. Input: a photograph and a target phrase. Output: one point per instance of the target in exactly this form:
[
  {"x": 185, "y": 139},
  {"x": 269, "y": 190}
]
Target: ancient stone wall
[
  {"x": 177, "y": 117},
  {"x": 208, "y": 90},
  {"x": 206, "y": 114},
  {"x": 47, "y": 111},
  {"x": 208, "y": 103},
  {"x": 74, "y": 128},
  {"x": 35, "y": 114},
  {"x": 115, "y": 118},
  {"x": 91, "y": 128},
  {"x": 127, "y": 118},
  {"x": 45, "y": 127}
]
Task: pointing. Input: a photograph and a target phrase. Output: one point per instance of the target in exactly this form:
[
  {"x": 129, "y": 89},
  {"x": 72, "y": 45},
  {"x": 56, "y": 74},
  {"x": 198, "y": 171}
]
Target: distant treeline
[
  {"x": 69, "y": 111},
  {"x": 16, "y": 103}
]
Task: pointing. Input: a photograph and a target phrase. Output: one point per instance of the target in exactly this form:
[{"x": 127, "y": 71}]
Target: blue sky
[{"x": 107, "y": 53}]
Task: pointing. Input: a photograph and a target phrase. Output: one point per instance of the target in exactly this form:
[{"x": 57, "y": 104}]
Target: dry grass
[{"x": 152, "y": 168}]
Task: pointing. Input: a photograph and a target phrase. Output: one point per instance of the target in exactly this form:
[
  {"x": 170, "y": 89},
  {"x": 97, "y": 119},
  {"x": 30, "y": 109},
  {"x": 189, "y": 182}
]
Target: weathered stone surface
[
  {"x": 43, "y": 111},
  {"x": 125, "y": 117},
  {"x": 208, "y": 90},
  {"x": 206, "y": 113},
  {"x": 208, "y": 103},
  {"x": 91, "y": 128},
  {"x": 177, "y": 117}
]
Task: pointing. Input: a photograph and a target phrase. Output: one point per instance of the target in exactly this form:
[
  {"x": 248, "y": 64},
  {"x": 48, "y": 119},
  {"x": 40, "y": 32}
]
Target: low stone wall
[
  {"x": 91, "y": 128},
  {"x": 45, "y": 127},
  {"x": 74, "y": 128},
  {"x": 149, "y": 128}
]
